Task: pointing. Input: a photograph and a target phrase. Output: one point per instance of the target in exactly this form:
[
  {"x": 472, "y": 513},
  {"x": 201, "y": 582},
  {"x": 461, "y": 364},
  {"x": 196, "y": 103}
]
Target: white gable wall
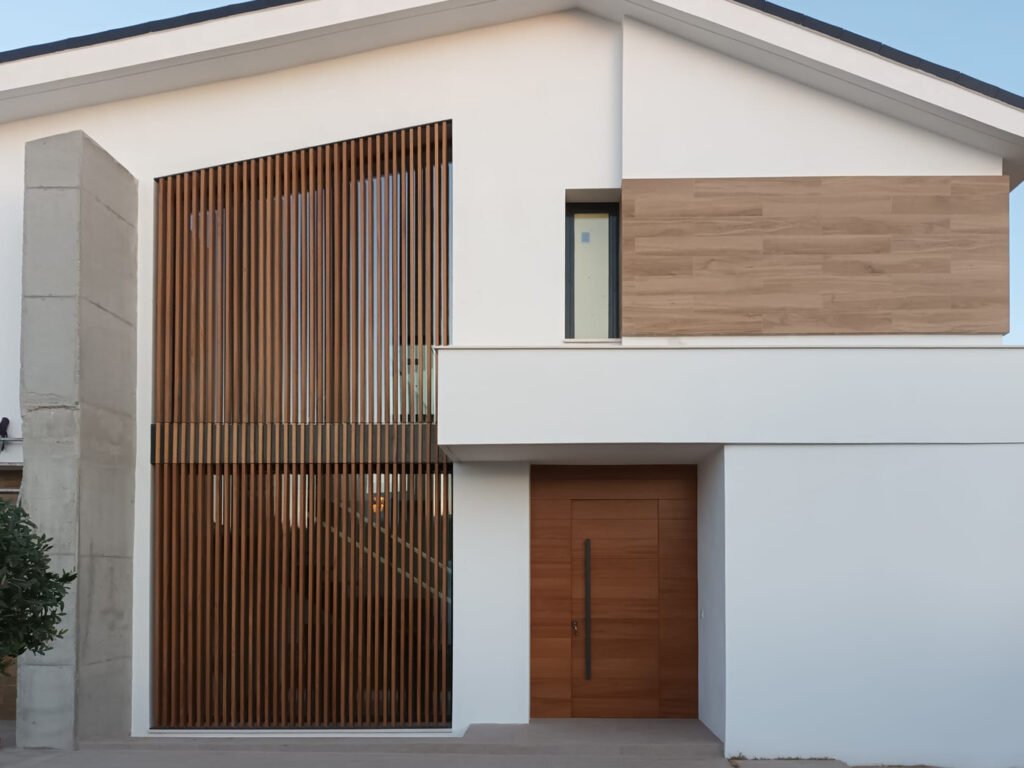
[
  {"x": 535, "y": 110},
  {"x": 539, "y": 106},
  {"x": 690, "y": 112}
]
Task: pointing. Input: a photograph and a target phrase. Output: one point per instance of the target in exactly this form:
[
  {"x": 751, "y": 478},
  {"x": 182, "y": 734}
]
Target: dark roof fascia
[
  {"x": 160, "y": 25},
  {"x": 772, "y": 9}
]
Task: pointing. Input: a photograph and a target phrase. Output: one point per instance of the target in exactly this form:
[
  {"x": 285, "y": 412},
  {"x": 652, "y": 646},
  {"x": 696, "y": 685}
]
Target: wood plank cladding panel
[
  {"x": 677, "y": 589},
  {"x": 815, "y": 255},
  {"x": 550, "y": 607},
  {"x": 301, "y": 506}
]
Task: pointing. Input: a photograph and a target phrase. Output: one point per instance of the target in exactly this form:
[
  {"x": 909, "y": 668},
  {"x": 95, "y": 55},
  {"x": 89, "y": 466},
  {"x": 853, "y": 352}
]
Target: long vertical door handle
[{"x": 586, "y": 609}]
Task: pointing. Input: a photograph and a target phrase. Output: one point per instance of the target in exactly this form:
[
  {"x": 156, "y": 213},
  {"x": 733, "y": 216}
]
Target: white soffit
[
  {"x": 238, "y": 46},
  {"x": 315, "y": 30}
]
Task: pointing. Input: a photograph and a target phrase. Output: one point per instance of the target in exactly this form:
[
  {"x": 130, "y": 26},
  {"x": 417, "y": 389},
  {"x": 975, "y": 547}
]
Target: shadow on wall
[{"x": 8, "y": 694}]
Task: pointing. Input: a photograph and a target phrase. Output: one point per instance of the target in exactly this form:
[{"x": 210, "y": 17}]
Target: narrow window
[{"x": 592, "y": 271}]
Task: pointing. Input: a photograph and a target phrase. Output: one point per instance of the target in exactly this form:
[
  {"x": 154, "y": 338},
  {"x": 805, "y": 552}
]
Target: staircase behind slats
[{"x": 301, "y": 506}]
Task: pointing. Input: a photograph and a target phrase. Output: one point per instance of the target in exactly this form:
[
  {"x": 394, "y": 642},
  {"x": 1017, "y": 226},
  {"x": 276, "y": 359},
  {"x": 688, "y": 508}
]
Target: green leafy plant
[{"x": 31, "y": 595}]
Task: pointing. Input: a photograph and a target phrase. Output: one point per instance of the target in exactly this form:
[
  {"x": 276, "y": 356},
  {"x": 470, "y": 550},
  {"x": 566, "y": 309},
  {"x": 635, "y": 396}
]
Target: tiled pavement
[{"x": 541, "y": 744}]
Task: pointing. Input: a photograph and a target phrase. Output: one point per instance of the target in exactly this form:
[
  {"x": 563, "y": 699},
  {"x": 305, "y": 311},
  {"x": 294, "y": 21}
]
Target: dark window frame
[{"x": 614, "y": 287}]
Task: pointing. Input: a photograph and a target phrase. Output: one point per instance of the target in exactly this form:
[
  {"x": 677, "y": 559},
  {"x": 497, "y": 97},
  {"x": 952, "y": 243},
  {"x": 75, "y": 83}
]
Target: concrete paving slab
[
  {"x": 544, "y": 744},
  {"x": 135, "y": 759},
  {"x": 788, "y": 763}
]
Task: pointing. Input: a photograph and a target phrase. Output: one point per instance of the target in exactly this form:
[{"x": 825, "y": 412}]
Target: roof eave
[{"x": 278, "y": 34}]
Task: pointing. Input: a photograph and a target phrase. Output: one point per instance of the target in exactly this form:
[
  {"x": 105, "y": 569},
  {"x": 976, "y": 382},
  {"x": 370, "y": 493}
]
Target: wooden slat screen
[{"x": 301, "y": 507}]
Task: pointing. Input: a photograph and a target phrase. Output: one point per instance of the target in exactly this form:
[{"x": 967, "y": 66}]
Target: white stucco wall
[
  {"x": 689, "y": 111},
  {"x": 539, "y": 106},
  {"x": 711, "y": 669},
  {"x": 535, "y": 110},
  {"x": 639, "y": 396},
  {"x": 873, "y": 606},
  {"x": 491, "y": 582},
  {"x": 519, "y": 143}
]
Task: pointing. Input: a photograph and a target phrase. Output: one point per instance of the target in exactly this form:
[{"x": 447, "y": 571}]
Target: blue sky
[{"x": 979, "y": 37}]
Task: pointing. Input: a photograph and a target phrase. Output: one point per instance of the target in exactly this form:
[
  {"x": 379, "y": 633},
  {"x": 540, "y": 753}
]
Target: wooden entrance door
[{"x": 624, "y": 537}]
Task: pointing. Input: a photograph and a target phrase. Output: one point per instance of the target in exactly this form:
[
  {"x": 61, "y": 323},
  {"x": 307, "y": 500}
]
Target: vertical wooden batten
[{"x": 301, "y": 506}]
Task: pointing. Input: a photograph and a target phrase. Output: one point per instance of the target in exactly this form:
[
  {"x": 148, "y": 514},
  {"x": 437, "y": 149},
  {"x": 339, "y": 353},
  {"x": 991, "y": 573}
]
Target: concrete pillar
[{"x": 78, "y": 407}]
